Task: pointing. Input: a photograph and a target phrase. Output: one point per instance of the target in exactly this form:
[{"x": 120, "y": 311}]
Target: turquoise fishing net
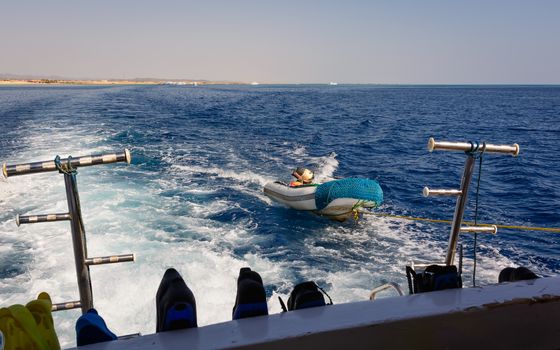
[{"x": 360, "y": 189}]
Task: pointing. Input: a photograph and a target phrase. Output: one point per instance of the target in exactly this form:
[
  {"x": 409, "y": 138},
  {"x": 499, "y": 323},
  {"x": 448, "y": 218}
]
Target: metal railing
[
  {"x": 67, "y": 167},
  {"x": 383, "y": 287},
  {"x": 471, "y": 149}
]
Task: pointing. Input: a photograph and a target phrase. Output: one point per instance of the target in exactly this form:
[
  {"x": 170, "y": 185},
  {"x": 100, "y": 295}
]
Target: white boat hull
[
  {"x": 299, "y": 198},
  {"x": 518, "y": 315},
  {"x": 338, "y": 207},
  {"x": 305, "y": 198}
]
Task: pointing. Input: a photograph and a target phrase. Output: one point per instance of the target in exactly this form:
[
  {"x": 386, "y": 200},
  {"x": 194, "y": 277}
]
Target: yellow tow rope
[{"x": 509, "y": 227}]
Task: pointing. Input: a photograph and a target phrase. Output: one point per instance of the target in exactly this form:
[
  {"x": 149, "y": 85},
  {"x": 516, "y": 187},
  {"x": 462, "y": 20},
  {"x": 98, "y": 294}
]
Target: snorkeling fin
[
  {"x": 305, "y": 295},
  {"x": 91, "y": 329},
  {"x": 175, "y": 303},
  {"x": 251, "y": 297},
  {"x": 30, "y": 326}
]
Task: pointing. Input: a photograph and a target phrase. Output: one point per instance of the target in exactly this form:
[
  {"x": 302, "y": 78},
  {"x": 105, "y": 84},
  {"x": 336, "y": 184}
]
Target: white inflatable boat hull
[
  {"x": 303, "y": 198},
  {"x": 299, "y": 198}
]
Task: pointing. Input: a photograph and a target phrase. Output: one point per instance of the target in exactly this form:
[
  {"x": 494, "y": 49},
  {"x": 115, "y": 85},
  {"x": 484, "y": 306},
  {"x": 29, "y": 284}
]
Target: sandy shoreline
[
  {"x": 105, "y": 82},
  {"x": 72, "y": 82}
]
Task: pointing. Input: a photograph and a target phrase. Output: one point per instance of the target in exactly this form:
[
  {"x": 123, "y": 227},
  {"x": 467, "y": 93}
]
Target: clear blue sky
[{"x": 420, "y": 41}]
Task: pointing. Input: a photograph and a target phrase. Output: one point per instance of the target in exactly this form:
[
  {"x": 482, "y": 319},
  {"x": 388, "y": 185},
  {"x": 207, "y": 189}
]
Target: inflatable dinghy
[{"x": 336, "y": 199}]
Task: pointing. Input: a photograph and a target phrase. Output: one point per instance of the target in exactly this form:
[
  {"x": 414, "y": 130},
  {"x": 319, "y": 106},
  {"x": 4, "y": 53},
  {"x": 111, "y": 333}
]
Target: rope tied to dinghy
[
  {"x": 442, "y": 221},
  {"x": 355, "y": 207}
]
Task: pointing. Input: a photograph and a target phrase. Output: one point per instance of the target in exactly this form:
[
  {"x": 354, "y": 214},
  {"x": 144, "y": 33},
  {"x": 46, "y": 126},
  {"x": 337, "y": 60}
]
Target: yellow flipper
[{"x": 29, "y": 327}]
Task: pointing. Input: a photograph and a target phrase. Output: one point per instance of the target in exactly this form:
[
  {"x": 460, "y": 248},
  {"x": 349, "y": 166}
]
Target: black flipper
[
  {"x": 175, "y": 303},
  {"x": 305, "y": 295},
  {"x": 251, "y": 297}
]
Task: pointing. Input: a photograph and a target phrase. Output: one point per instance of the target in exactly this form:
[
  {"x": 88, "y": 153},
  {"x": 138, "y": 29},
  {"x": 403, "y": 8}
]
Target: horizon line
[
  {"x": 30, "y": 78},
  {"x": 147, "y": 79}
]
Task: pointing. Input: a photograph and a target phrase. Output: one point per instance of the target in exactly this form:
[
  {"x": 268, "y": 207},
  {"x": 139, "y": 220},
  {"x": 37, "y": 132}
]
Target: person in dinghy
[{"x": 304, "y": 176}]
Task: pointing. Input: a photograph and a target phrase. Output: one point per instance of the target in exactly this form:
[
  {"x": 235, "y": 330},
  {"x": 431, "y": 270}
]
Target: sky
[{"x": 402, "y": 42}]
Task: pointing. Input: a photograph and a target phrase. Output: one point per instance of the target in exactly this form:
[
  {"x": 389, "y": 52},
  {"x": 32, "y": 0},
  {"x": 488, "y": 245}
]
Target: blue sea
[{"x": 192, "y": 198}]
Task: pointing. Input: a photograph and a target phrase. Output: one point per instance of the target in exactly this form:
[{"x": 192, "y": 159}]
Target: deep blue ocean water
[{"x": 192, "y": 197}]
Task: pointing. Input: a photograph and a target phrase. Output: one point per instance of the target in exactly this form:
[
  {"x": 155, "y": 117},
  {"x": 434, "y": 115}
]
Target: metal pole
[
  {"x": 79, "y": 242},
  {"x": 50, "y": 165},
  {"x": 459, "y": 210},
  {"x": 472, "y": 147}
]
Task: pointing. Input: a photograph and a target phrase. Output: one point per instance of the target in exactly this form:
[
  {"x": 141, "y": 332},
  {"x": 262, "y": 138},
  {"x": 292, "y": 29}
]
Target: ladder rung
[
  {"x": 482, "y": 229},
  {"x": 66, "y": 306},
  {"x": 470, "y": 147},
  {"x": 50, "y": 165},
  {"x": 32, "y": 219},
  {"x": 440, "y": 192},
  {"x": 109, "y": 259}
]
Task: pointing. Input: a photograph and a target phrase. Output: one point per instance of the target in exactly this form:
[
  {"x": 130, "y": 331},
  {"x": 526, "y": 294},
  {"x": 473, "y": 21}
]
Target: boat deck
[{"x": 517, "y": 315}]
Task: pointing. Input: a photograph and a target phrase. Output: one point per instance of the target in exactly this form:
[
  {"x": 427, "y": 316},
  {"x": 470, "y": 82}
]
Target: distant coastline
[
  {"x": 10, "y": 80},
  {"x": 112, "y": 82}
]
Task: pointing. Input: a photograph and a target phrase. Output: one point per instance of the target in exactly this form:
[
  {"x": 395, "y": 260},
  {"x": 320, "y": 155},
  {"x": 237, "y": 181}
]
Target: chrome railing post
[
  {"x": 459, "y": 210},
  {"x": 79, "y": 242}
]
